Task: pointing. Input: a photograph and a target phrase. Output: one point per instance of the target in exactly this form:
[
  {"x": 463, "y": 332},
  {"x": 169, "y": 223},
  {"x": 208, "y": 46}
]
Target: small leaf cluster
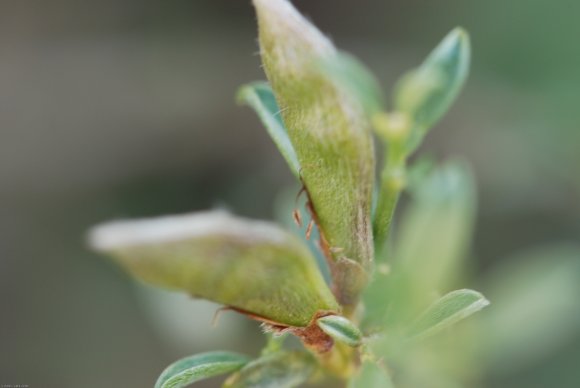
[{"x": 326, "y": 113}]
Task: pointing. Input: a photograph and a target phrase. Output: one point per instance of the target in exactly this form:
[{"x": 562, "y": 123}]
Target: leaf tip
[
  {"x": 340, "y": 329},
  {"x": 457, "y": 43}
]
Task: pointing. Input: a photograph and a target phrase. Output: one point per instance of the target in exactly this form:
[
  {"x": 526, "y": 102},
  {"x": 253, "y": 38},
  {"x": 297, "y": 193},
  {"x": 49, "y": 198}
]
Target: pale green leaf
[
  {"x": 437, "y": 228},
  {"x": 329, "y": 131},
  {"x": 202, "y": 366},
  {"x": 340, "y": 329},
  {"x": 432, "y": 245},
  {"x": 260, "y": 97},
  {"x": 356, "y": 79},
  {"x": 535, "y": 307},
  {"x": 371, "y": 375},
  {"x": 427, "y": 92},
  {"x": 280, "y": 370},
  {"x": 253, "y": 266},
  {"x": 447, "y": 311}
]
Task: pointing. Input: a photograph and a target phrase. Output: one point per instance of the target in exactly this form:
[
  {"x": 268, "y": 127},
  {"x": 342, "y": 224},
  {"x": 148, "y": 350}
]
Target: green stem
[
  {"x": 274, "y": 344},
  {"x": 392, "y": 184}
]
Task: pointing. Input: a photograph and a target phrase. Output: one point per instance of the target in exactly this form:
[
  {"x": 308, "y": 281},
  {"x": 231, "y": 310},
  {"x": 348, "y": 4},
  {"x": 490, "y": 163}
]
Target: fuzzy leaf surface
[
  {"x": 250, "y": 265},
  {"x": 328, "y": 129}
]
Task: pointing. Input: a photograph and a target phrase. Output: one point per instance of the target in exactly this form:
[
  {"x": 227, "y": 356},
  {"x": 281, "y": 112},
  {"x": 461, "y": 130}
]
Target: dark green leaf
[
  {"x": 341, "y": 329},
  {"x": 202, "y": 366},
  {"x": 260, "y": 97}
]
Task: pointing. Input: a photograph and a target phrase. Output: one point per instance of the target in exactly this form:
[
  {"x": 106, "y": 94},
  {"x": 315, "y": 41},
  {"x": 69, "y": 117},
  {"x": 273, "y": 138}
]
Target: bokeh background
[{"x": 125, "y": 108}]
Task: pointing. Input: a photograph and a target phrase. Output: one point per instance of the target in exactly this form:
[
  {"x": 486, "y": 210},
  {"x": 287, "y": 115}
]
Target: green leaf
[
  {"x": 371, "y": 375},
  {"x": 427, "y": 92},
  {"x": 437, "y": 227},
  {"x": 419, "y": 172},
  {"x": 329, "y": 131},
  {"x": 356, "y": 79},
  {"x": 447, "y": 311},
  {"x": 535, "y": 311},
  {"x": 202, "y": 366},
  {"x": 260, "y": 97},
  {"x": 280, "y": 370},
  {"x": 434, "y": 237},
  {"x": 286, "y": 206},
  {"x": 341, "y": 329},
  {"x": 253, "y": 266}
]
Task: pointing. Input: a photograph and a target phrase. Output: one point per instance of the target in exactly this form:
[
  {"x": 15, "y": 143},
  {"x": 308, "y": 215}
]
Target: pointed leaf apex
[
  {"x": 448, "y": 310},
  {"x": 455, "y": 47},
  {"x": 428, "y": 92},
  {"x": 340, "y": 329},
  {"x": 281, "y": 24}
]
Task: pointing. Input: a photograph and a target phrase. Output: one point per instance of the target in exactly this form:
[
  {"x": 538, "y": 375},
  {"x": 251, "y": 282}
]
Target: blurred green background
[{"x": 125, "y": 108}]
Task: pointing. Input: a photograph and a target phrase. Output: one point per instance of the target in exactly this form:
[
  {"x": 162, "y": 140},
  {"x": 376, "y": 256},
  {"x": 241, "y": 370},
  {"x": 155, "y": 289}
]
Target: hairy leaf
[
  {"x": 260, "y": 97},
  {"x": 202, "y": 366},
  {"x": 253, "y": 266},
  {"x": 327, "y": 127}
]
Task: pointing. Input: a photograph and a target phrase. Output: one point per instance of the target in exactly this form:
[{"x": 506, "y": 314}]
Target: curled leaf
[
  {"x": 202, "y": 366},
  {"x": 427, "y": 92},
  {"x": 252, "y": 266},
  {"x": 280, "y": 370},
  {"x": 260, "y": 97},
  {"x": 340, "y": 329},
  {"x": 447, "y": 311},
  {"x": 328, "y": 128}
]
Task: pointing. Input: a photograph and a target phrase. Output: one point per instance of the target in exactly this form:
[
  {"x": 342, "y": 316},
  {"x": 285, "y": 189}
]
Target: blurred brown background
[{"x": 125, "y": 108}]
